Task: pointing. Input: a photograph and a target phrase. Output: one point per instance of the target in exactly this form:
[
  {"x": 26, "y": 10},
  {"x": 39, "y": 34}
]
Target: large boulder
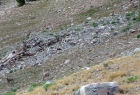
[{"x": 105, "y": 88}]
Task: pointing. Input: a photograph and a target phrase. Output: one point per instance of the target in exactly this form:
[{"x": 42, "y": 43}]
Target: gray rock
[
  {"x": 49, "y": 82},
  {"x": 136, "y": 50},
  {"x": 132, "y": 31},
  {"x": 66, "y": 61},
  {"x": 105, "y": 88},
  {"x": 115, "y": 33},
  {"x": 89, "y": 18}
]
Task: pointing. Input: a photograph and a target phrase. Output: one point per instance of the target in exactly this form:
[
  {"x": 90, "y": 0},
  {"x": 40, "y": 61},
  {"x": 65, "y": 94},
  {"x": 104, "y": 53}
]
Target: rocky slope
[
  {"x": 77, "y": 46},
  {"x": 125, "y": 70}
]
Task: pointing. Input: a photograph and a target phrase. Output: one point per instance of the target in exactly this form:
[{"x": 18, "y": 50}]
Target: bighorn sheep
[
  {"x": 10, "y": 80},
  {"x": 45, "y": 74}
]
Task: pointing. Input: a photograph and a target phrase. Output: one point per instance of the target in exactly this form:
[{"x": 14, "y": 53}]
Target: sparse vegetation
[
  {"x": 95, "y": 24},
  {"x": 126, "y": 29},
  {"x": 78, "y": 29},
  {"x": 131, "y": 79},
  {"x": 33, "y": 86},
  {"x": 14, "y": 89},
  {"x": 116, "y": 74},
  {"x": 11, "y": 71},
  {"x": 44, "y": 31},
  {"x": 10, "y": 93},
  {"x": 40, "y": 41},
  {"x": 95, "y": 37},
  {"x": 129, "y": 15},
  {"x": 113, "y": 22}
]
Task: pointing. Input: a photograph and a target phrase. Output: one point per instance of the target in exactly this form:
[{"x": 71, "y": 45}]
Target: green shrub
[
  {"x": 40, "y": 41},
  {"x": 95, "y": 37},
  {"x": 47, "y": 86},
  {"x": 86, "y": 22},
  {"x": 131, "y": 79},
  {"x": 44, "y": 31},
  {"x": 11, "y": 71},
  {"x": 10, "y": 93},
  {"x": 32, "y": 87},
  {"x": 95, "y": 24},
  {"x": 138, "y": 36},
  {"x": 128, "y": 17},
  {"x": 126, "y": 29},
  {"x": 113, "y": 22},
  {"x": 20, "y": 2}
]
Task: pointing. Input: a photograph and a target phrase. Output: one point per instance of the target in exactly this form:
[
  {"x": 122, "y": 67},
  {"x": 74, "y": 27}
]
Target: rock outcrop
[{"x": 105, "y": 88}]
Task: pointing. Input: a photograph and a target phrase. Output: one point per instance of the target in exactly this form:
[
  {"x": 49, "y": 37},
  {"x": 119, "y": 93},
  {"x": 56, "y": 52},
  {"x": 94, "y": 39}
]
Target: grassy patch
[
  {"x": 10, "y": 93},
  {"x": 91, "y": 11},
  {"x": 47, "y": 86},
  {"x": 33, "y": 86},
  {"x": 131, "y": 79}
]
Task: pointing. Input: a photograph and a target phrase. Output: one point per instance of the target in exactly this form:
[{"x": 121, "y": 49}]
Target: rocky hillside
[
  {"x": 46, "y": 40},
  {"x": 125, "y": 70}
]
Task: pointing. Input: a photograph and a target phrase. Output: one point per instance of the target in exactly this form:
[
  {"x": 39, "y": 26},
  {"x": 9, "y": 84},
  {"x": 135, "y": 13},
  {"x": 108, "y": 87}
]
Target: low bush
[
  {"x": 126, "y": 29},
  {"x": 95, "y": 24},
  {"x": 138, "y": 36},
  {"x": 20, "y": 2}
]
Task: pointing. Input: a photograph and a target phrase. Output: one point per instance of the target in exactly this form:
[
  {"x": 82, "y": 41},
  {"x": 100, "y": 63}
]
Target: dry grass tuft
[{"x": 117, "y": 74}]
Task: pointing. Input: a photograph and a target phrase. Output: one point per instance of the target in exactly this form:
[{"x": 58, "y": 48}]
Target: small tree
[{"x": 20, "y": 2}]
